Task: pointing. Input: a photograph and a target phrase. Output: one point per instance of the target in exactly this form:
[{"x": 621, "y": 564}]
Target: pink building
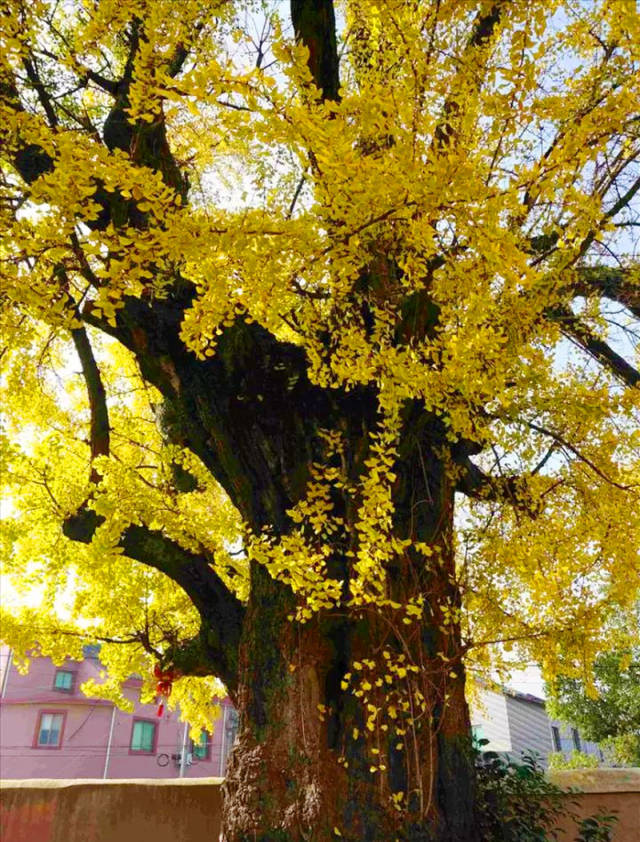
[{"x": 49, "y": 729}]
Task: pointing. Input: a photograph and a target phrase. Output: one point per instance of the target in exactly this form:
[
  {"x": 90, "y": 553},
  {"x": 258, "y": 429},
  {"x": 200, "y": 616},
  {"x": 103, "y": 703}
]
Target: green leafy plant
[
  {"x": 576, "y": 760},
  {"x": 607, "y": 712},
  {"x": 518, "y": 804},
  {"x": 598, "y": 828}
]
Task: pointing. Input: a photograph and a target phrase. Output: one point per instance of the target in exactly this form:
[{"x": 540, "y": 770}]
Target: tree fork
[{"x": 287, "y": 680}]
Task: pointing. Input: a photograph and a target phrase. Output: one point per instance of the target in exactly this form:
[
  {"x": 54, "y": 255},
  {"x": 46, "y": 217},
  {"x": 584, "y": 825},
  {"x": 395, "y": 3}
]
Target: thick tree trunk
[
  {"x": 355, "y": 722},
  {"x": 330, "y": 747},
  {"x": 300, "y": 771}
]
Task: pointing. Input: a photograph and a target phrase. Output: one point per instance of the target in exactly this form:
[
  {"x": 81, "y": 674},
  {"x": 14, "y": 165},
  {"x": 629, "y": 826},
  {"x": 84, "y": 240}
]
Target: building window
[
  {"x": 576, "y": 739},
  {"x": 477, "y": 736},
  {"x": 555, "y": 735},
  {"x": 202, "y": 748},
  {"x": 63, "y": 681},
  {"x": 49, "y": 733},
  {"x": 143, "y": 736}
]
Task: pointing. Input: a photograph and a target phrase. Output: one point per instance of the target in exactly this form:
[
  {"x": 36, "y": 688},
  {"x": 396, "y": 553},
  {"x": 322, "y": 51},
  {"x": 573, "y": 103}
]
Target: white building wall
[
  {"x": 529, "y": 728},
  {"x": 489, "y": 718},
  {"x": 515, "y": 724}
]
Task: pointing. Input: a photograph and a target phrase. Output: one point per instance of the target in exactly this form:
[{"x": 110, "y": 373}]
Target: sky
[{"x": 528, "y": 681}]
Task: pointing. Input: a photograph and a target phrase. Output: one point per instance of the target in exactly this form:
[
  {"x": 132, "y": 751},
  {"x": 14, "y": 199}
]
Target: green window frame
[
  {"x": 202, "y": 748},
  {"x": 477, "y": 734},
  {"x": 143, "y": 737},
  {"x": 63, "y": 681}
]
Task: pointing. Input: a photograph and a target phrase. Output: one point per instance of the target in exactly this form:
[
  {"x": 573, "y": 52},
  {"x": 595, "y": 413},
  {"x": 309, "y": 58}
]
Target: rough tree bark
[{"x": 287, "y": 779}]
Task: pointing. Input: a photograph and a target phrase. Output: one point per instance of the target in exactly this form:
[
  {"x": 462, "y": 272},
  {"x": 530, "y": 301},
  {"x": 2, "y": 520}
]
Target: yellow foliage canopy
[{"x": 449, "y": 227}]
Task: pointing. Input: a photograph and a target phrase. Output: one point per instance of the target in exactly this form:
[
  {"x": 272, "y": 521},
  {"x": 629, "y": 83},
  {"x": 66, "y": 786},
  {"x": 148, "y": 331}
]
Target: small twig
[
  {"x": 562, "y": 441},
  {"x": 295, "y": 197}
]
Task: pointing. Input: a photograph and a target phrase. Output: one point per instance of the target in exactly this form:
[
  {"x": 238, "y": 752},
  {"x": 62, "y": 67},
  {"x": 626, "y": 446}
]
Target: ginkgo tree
[{"x": 320, "y": 371}]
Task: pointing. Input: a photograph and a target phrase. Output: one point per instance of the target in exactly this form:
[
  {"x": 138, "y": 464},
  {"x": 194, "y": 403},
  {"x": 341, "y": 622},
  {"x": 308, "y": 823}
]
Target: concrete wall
[
  {"x": 110, "y": 811},
  {"x": 189, "y": 810},
  {"x": 603, "y": 790}
]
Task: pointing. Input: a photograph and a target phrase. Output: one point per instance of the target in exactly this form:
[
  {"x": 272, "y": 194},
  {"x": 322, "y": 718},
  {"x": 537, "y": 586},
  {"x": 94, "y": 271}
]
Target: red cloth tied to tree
[{"x": 164, "y": 685}]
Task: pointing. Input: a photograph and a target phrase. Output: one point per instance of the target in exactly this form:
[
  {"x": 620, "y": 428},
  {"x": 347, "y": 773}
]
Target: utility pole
[
  {"x": 183, "y": 753},
  {"x": 108, "y": 754},
  {"x": 5, "y": 677}
]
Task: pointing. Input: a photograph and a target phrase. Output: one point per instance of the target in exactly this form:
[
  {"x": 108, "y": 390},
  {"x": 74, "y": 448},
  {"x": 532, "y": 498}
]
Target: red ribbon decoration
[{"x": 164, "y": 685}]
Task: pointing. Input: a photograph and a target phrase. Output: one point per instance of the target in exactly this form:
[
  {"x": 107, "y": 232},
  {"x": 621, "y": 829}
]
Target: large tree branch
[
  {"x": 483, "y": 28},
  {"x": 511, "y": 489},
  {"x": 609, "y": 282},
  {"x": 622, "y": 202},
  {"x": 617, "y": 284},
  {"x": 542, "y": 245},
  {"x": 221, "y": 612},
  {"x": 575, "y": 329},
  {"x": 99, "y": 431},
  {"x": 86, "y": 73},
  {"x": 43, "y": 96},
  {"x": 30, "y": 160},
  {"x": 314, "y": 24},
  {"x": 215, "y": 649},
  {"x": 145, "y": 143}
]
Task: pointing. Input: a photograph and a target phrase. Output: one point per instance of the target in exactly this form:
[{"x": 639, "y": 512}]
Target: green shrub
[
  {"x": 598, "y": 828},
  {"x": 576, "y": 760},
  {"x": 518, "y": 804}
]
